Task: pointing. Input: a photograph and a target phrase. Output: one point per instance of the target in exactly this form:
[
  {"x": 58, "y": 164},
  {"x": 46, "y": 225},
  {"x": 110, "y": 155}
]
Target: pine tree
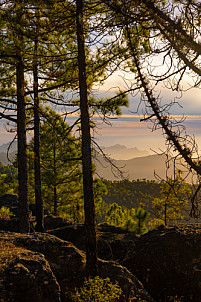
[
  {"x": 175, "y": 194},
  {"x": 60, "y": 166},
  {"x": 141, "y": 215},
  {"x": 90, "y": 232},
  {"x": 115, "y": 215},
  {"x": 12, "y": 54}
]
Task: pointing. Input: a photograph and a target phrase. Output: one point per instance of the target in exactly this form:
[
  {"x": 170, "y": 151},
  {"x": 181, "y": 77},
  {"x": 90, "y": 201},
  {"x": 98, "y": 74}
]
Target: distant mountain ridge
[
  {"x": 4, "y": 159},
  {"x": 121, "y": 152},
  {"x": 145, "y": 167},
  {"x": 4, "y": 147},
  {"x": 3, "y": 153}
]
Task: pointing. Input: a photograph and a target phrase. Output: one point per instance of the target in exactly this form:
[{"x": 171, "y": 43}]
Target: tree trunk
[
  {"x": 90, "y": 232},
  {"x": 22, "y": 155},
  {"x": 38, "y": 194},
  {"x": 55, "y": 178},
  {"x": 139, "y": 226},
  {"x": 55, "y": 200},
  {"x": 165, "y": 212}
]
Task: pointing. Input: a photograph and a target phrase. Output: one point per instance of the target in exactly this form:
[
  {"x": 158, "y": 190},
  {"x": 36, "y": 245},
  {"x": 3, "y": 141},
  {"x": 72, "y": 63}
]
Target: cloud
[{"x": 129, "y": 130}]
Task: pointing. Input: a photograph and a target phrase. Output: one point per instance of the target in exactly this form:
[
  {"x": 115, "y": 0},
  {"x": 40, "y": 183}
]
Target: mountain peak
[
  {"x": 119, "y": 151},
  {"x": 4, "y": 147}
]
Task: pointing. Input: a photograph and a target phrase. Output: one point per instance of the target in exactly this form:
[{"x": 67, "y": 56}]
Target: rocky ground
[
  {"x": 43, "y": 268},
  {"x": 166, "y": 260},
  {"x": 46, "y": 267}
]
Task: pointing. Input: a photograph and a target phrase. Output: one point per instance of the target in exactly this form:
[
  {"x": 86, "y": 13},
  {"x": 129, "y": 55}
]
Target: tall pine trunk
[
  {"x": 165, "y": 212},
  {"x": 37, "y": 167},
  {"x": 55, "y": 200},
  {"x": 55, "y": 176},
  {"x": 90, "y": 232},
  {"x": 22, "y": 154}
]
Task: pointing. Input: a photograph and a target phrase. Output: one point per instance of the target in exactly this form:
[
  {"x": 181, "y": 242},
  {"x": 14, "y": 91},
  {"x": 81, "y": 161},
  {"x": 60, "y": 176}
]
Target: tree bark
[
  {"x": 90, "y": 232},
  {"x": 165, "y": 212},
  {"x": 55, "y": 200},
  {"x": 22, "y": 155},
  {"x": 38, "y": 193},
  {"x": 55, "y": 186}
]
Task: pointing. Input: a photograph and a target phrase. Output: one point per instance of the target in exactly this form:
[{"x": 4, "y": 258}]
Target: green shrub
[
  {"x": 97, "y": 290},
  {"x": 5, "y": 213}
]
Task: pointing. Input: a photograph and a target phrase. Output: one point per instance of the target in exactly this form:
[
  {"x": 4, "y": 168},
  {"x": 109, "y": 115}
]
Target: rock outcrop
[
  {"x": 53, "y": 222},
  {"x": 66, "y": 265},
  {"x": 26, "y": 276},
  {"x": 113, "y": 242},
  {"x": 9, "y": 225},
  {"x": 133, "y": 290},
  {"x": 166, "y": 260},
  {"x": 50, "y": 222}
]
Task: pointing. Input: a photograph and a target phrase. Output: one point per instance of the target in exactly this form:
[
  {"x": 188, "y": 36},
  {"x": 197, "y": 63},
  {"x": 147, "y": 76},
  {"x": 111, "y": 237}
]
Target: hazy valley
[{"x": 133, "y": 163}]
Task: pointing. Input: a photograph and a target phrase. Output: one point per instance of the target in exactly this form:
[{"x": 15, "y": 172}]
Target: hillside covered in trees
[{"x": 132, "y": 193}]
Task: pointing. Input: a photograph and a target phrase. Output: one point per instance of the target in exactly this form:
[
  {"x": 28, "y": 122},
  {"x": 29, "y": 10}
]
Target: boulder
[
  {"x": 74, "y": 233},
  {"x": 113, "y": 242},
  {"x": 63, "y": 257},
  {"x": 26, "y": 276},
  {"x": 53, "y": 222},
  {"x": 167, "y": 261},
  {"x": 67, "y": 264},
  {"x": 10, "y": 225},
  {"x": 132, "y": 288},
  {"x": 66, "y": 261}
]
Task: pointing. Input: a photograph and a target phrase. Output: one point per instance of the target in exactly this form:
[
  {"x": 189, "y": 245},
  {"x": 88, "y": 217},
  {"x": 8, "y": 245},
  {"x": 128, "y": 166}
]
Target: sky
[{"x": 128, "y": 130}]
